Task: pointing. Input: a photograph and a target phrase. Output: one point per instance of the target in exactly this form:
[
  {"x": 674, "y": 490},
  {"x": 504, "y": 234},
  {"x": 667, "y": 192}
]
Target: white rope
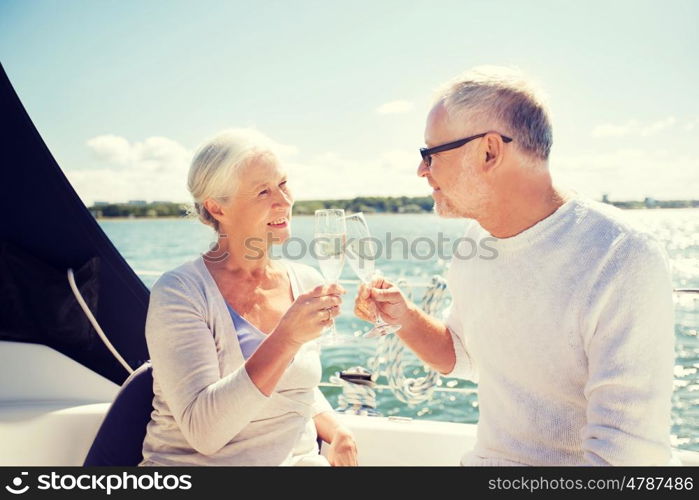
[
  {"x": 384, "y": 387},
  {"x": 93, "y": 321},
  {"x": 356, "y": 398},
  {"x": 388, "y": 360}
]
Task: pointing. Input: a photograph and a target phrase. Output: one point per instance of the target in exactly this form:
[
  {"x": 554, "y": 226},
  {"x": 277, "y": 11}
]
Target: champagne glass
[
  {"x": 361, "y": 251},
  {"x": 329, "y": 246}
]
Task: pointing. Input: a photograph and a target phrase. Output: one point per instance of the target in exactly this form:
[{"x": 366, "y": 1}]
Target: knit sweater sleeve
[
  {"x": 208, "y": 408},
  {"x": 464, "y": 365},
  {"x": 628, "y": 331}
]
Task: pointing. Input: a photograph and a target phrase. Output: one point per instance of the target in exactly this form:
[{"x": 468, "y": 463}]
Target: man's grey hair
[{"x": 505, "y": 98}]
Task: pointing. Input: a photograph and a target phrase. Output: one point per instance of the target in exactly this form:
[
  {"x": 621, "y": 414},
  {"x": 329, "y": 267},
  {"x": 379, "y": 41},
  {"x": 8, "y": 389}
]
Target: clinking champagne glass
[
  {"x": 361, "y": 251},
  {"x": 329, "y": 247}
]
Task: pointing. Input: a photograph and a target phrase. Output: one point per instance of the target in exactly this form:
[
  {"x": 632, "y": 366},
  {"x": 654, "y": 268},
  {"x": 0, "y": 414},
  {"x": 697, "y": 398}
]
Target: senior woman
[{"x": 231, "y": 333}]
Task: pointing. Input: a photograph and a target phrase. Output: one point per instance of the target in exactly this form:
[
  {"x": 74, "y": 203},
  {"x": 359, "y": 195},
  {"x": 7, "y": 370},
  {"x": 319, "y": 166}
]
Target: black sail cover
[{"x": 45, "y": 229}]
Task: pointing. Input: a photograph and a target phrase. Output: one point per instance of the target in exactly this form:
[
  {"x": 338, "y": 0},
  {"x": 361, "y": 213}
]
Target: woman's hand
[
  {"x": 310, "y": 314},
  {"x": 383, "y": 297},
  {"x": 343, "y": 449}
]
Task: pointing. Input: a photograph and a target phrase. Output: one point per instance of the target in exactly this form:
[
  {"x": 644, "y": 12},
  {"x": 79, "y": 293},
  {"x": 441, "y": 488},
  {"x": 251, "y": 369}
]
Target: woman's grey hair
[
  {"x": 215, "y": 168},
  {"x": 506, "y": 98}
]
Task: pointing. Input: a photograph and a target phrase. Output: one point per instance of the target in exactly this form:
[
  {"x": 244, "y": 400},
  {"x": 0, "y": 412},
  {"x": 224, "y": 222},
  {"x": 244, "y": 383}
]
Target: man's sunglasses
[{"x": 427, "y": 153}]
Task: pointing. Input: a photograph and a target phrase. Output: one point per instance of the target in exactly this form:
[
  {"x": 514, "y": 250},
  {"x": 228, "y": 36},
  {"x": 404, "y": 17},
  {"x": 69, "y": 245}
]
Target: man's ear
[{"x": 493, "y": 151}]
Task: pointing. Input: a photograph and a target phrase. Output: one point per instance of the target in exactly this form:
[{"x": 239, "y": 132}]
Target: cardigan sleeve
[
  {"x": 628, "y": 329},
  {"x": 209, "y": 409}
]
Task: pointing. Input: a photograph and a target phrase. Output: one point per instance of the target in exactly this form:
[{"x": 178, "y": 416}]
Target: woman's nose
[{"x": 283, "y": 199}]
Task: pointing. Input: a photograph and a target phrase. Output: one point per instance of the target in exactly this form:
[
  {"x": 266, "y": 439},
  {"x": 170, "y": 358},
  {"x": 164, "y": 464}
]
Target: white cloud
[
  {"x": 609, "y": 130},
  {"x": 633, "y": 128},
  {"x": 395, "y": 107},
  {"x": 153, "y": 169},
  {"x": 156, "y": 169},
  {"x": 154, "y": 153},
  {"x": 120, "y": 185},
  {"x": 629, "y": 174},
  {"x": 110, "y": 148},
  {"x": 331, "y": 176},
  {"x": 658, "y": 126},
  {"x": 691, "y": 125},
  {"x": 160, "y": 154}
]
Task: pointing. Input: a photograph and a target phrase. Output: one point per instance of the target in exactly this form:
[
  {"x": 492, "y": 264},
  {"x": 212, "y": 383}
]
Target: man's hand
[
  {"x": 383, "y": 297},
  {"x": 426, "y": 336}
]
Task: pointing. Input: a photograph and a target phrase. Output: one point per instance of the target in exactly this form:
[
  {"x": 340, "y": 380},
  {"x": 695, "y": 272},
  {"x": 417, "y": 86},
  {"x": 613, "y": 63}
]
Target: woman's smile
[{"x": 279, "y": 223}]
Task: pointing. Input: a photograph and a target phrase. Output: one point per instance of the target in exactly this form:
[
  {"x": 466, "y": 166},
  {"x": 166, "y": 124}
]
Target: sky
[{"x": 124, "y": 91}]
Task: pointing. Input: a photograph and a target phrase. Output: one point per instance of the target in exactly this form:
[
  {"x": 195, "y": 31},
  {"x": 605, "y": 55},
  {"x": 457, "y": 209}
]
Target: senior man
[{"x": 569, "y": 329}]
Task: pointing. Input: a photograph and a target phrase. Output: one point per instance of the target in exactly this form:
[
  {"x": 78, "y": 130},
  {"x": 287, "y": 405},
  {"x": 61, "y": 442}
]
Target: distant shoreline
[
  {"x": 160, "y": 217},
  {"x": 185, "y": 217},
  {"x": 141, "y": 209}
]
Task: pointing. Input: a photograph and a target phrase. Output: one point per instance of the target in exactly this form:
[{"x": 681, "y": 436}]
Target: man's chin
[{"x": 445, "y": 210}]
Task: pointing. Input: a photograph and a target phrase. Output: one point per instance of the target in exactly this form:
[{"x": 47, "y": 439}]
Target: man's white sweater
[{"x": 568, "y": 329}]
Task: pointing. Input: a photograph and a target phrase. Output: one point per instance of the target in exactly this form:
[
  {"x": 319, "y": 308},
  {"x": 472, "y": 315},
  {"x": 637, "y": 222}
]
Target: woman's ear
[{"x": 214, "y": 208}]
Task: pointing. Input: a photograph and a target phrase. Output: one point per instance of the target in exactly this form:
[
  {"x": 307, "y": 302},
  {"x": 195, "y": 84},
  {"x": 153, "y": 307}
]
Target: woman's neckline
[{"x": 291, "y": 275}]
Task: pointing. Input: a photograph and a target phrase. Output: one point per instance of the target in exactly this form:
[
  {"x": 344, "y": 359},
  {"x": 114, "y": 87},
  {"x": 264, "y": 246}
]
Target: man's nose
[{"x": 422, "y": 169}]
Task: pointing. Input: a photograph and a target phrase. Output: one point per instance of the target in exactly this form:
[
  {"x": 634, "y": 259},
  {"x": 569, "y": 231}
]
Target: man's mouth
[{"x": 279, "y": 223}]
